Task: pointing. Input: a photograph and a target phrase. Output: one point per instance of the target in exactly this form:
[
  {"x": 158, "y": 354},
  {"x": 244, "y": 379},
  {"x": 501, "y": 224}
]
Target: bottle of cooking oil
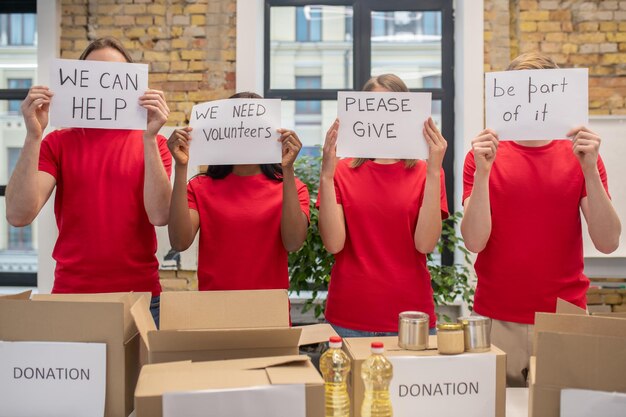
[
  {"x": 335, "y": 366},
  {"x": 377, "y": 372}
]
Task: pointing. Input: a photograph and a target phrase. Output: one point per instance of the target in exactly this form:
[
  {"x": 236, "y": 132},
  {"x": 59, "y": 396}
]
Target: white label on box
[
  {"x": 438, "y": 386},
  {"x": 382, "y": 125},
  {"x": 261, "y": 401},
  {"x": 97, "y": 94},
  {"x": 536, "y": 104},
  {"x": 585, "y": 403},
  {"x": 52, "y": 379},
  {"x": 235, "y": 131}
]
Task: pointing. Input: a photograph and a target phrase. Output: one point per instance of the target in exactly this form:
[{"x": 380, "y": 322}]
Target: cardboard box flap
[
  {"x": 224, "y": 309},
  {"x": 316, "y": 333},
  {"x": 25, "y": 295},
  {"x": 295, "y": 373},
  {"x": 581, "y": 361},
  {"x": 140, "y": 312},
  {"x": 565, "y": 307},
  {"x": 193, "y": 340},
  {"x": 255, "y": 363}
]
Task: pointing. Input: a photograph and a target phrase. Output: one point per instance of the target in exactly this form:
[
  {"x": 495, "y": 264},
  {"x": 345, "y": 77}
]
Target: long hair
[
  {"x": 106, "y": 42},
  {"x": 271, "y": 171},
  {"x": 389, "y": 82}
]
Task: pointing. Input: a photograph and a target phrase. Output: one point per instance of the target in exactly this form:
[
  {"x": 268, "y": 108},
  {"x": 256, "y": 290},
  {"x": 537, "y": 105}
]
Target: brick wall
[
  {"x": 189, "y": 44},
  {"x": 575, "y": 33}
]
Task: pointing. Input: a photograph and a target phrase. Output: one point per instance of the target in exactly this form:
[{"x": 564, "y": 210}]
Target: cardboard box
[
  {"x": 220, "y": 325},
  {"x": 103, "y": 318},
  {"x": 358, "y": 349},
  {"x": 574, "y": 350},
  {"x": 157, "y": 379}
]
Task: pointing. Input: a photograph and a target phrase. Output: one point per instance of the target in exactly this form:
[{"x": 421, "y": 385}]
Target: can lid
[
  {"x": 450, "y": 326},
  {"x": 334, "y": 342}
]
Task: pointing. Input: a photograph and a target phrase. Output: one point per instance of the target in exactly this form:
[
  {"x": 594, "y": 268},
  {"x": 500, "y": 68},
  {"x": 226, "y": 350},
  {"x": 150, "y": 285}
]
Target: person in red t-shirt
[
  {"x": 380, "y": 218},
  {"x": 112, "y": 187},
  {"x": 249, "y": 216},
  {"x": 522, "y": 216}
]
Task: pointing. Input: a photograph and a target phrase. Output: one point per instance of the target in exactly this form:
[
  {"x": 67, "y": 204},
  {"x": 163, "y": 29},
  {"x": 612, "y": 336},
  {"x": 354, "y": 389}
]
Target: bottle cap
[
  {"x": 377, "y": 347},
  {"x": 334, "y": 342}
]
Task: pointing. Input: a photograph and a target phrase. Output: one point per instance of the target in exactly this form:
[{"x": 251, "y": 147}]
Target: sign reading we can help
[
  {"x": 53, "y": 379},
  {"x": 235, "y": 131},
  {"x": 536, "y": 104},
  {"x": 98, "y": 94},
  {"x": 441, "y": 386},
  {"x": 382, "y": 125}
]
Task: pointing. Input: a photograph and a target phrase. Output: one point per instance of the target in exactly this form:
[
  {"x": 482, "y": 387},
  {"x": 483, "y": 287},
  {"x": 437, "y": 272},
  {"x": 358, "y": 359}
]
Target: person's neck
[
  {"x": 533, "y": 143},
  {"x": 246, "y": 170},
  {"x": 385, "y": 161}
]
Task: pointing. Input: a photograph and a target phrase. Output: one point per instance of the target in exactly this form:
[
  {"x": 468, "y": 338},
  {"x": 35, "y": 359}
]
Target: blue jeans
[
  {"x": 155, "y": 304},
  {"x": 343, "y": 332}
]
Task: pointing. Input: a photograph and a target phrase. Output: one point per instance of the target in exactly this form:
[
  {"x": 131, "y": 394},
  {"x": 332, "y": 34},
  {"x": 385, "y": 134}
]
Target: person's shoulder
[
  {"x": 60, "y": 134},
  {"x": 199, "y": 180}
]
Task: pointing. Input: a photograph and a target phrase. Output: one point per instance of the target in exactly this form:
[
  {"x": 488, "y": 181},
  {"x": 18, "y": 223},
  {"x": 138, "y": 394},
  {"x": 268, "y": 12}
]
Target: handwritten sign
[
  {"x": 52, "y": 379},
  {"x": 382, "y": 125},
  {"x": 96, "y": 94},
  {"x": 444, "y": 385},
  {"x": 536, "y": 104},
  {"x": 235, "y": 131}
]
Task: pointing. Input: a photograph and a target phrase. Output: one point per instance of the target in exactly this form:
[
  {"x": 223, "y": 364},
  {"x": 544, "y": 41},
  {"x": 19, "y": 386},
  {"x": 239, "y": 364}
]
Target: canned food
[
  {"x": 477, "y": 333},
  {"x": 413, "y": 330}
]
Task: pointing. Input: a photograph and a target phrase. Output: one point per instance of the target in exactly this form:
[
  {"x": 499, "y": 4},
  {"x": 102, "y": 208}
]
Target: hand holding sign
[
  {"x": 291, "y": 146},
  {"x": 485, "y": 146},
  {"x": 586, "y": 147},
  {"x": 35, "y": 108},
  {"x": 329, "y": 153},
  {"x": 178, "y": 144},
  {"x": 154, "y": 102},
  {"x": 437, "y": 145}
]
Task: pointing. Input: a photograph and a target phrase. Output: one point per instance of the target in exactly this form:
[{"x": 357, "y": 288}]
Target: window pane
[
  {"x": 310, "y": 127},
  {"x": 14, "y": 105},
  {"x": 311, "y": 41},
  {"x": 15, "y": 24},
  {"x": 408, "y": 44},
  {"x": 30, "y": 29}
]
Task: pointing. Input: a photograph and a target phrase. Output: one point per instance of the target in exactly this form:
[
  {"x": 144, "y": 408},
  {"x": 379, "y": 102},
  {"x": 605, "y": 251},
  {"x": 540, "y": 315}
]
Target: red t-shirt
[
  {"x": 535, "y": 250},
  {"x": 240, "y": 242},
  {"x": 379, "y": 273},
  {"x": 106, "y": 242}
]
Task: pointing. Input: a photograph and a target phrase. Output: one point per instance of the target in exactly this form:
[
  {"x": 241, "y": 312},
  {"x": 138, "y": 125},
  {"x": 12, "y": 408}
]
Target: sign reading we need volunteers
[
  {"x": 441, "y": 386},
  {"x": 288, "y": 400},
  {"x": 382, "y": 125},
  {"x": 53, "y": 379},
  {"x": 536, "y": 104},
  {"x": 235, "y": 131},
  {"x": 98, "y": 94}
]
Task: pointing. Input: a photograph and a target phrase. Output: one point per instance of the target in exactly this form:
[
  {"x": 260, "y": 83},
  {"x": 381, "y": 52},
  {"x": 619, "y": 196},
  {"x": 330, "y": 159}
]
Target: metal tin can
[
  {"x": 477, "y": 333},
  {"x": 413, "y": 330},
  {"x": 450, "y": 338}
]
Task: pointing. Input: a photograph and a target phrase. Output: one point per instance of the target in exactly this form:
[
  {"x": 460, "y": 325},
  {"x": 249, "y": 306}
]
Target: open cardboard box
[
  {"x": 157, "y": 379},
  {"x": 358, "y": 349},
  {"x": 574, "y": 350},
  {"x": 219, "y": 325},
  {"x": 100, "y": 318}
]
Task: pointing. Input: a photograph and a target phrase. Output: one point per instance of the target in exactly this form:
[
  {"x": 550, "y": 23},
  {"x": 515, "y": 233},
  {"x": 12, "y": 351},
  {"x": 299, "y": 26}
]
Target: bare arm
[
  {"x": 602, "y": 221},
  {"x": 476, "y": 223},
  {"x": 156, "y": 186},
  {"x": 28, "y": 188},
  {"x": 332, "y": 222},
  {"x": 428, "y": 228},
  {"x": 183, "y": 221},
  {"x": 293, "y": 222}
]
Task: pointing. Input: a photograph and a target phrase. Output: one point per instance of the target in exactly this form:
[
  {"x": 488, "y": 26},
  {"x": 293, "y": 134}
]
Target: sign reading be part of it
[
  {"x": 96, "y": 94},
  {"x": 536, "y": 104},
  {"x": 382, "y": 125},
  {"x": 441, "y": 386},
  {"x": 52, "y": 379},
  {"x": 235, "y": 131}
]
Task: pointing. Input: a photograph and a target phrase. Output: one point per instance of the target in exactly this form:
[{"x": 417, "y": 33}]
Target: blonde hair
[
  {"x": 532, "y": 60},
  {"x": 389, "y": 82}
]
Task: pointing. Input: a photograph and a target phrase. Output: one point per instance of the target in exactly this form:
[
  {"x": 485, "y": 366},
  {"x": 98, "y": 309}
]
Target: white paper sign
[
  {"x": 52, "y": 379},
  {"x": 97, "y": 94},
  {"x": 536, "y": 104},
  {"x": 235, "y": 131},
  {"x": 382, "y": 125},
  {"x": 585, "y": 403},
  {"x": 261, "y": 401},
  {"x": 438, "y": 386}
]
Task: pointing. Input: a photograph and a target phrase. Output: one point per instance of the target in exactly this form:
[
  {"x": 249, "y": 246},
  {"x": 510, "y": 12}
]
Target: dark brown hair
[
  {"x": 106, "y": 42},
  {"x": 271, "y": 171}
]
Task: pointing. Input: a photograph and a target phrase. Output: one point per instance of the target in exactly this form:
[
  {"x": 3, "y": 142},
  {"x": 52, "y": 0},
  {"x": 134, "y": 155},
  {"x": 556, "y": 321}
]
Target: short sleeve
[
  {"x": 445, "y": 212},
  {"x": 166, "y": 156},
  {"x": 340, "y": 166},
  {"x": 603, "y": 178},
  {"x": 49, "y": 155},
  {"x": 469, "y": 168},
  {"x": 192, "y": 202},
  {"x": 303, "y": 197}
]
